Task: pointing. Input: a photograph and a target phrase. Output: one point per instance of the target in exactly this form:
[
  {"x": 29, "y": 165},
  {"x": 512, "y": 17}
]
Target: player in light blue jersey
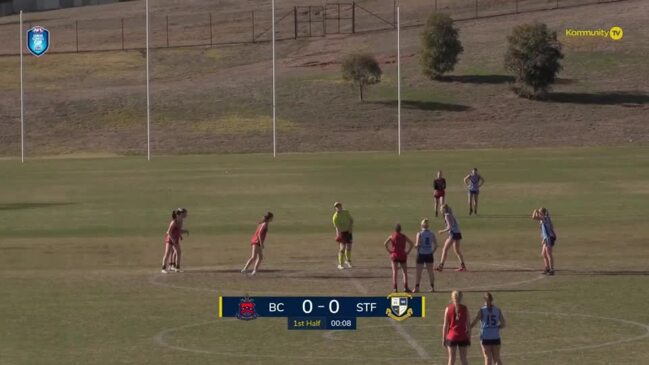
[
  {"x": 491, "y": 322},
  {"x": 548, "y": 238},
  {"x": 426, "y": 244},
  {"x": 454, "y": 238},
  {"x": 473, "y": 182}
]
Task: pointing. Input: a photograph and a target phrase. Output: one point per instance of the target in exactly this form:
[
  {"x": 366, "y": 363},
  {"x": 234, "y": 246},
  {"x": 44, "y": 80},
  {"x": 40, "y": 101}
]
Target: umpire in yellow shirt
[{"x": 344, "y": 223}]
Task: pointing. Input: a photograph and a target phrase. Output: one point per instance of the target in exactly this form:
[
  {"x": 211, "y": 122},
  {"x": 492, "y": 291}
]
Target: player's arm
[
  {"x": 448, "y": 226},
  {"x": 410, "y": 245},
  {"x": 385, "y": 244},
  {"x": 172, "y": 225},
  {"x": 417, "y": 240},
  {"x": 261, "y": 242},
  {"x": 466, "y": 180},
  {"x": 502, "y": 321},
  {"x": 477, "y": 318},
  {"x": 445, "y": 326},
  {"x": 434, "y": 243},
  {"x": 481, "y": 181}
]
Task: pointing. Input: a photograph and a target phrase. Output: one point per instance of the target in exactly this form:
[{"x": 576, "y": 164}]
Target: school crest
[
  {"x": 399, "y": 306},
  {"x": 38, "y": 40},
  {"x": 247, "y": 310}
]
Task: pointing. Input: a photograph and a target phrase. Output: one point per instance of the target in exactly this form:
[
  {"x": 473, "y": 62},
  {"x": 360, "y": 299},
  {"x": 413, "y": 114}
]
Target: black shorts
[
  {"x": 346, "y": 237},
  {"x": 449, "y": 343},
  {"x": 495, "y": 342},
  {"x": 456, "y": 236},
  {"x": 549, "y": 241},
  {"x": 474, "y": 192},
  {"x": 425, "y": 258}
]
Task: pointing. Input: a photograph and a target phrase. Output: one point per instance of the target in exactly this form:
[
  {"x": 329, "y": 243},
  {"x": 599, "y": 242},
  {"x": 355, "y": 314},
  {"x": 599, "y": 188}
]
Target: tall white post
[
  {"x": 274, "y": 126},
  {"x": 22, "y": 94},
  {"x": 148, "y": 97},
  {"x": 399, "y": 78}
]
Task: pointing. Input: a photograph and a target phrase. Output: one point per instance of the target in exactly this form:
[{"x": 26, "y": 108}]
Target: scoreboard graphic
[{"x": 323, "y": 313}]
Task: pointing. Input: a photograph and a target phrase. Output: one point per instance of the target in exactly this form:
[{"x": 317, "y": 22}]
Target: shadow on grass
[
  {"x": 234, "y": 271},
  {"x": 477, "y": 79},
  {"x": 22, "y": 206},
  {"x": 426, "y": 105},
  {"x": 496, "y": 290},
  {"x": 612, "y": 98}
]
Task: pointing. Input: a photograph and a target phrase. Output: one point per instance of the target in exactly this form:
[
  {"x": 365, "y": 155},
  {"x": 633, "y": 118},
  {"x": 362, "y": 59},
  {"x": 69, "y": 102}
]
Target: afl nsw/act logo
[
  {"x": 247, "y": 309},
  {"x": 38, "y": 40},
  {"x": 399, "y": 308}
]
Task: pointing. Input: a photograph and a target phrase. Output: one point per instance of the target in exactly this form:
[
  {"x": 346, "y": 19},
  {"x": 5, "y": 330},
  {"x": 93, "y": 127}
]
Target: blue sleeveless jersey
[
  {"x": 474, "y": 181},
  {"x": 490, "y": 323},
  {"x": 547, "y": 230},
  {"x": 455, "y": 226},
  {"x": 427, "y": 242}
]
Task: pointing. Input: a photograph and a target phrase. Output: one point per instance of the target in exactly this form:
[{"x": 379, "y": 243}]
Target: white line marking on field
[
  {"x": 160, "y": 340},
  {"x": 421, "y": 351}
]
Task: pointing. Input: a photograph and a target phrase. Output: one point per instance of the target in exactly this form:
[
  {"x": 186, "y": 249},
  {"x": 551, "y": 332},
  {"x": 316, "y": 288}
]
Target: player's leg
[
  {"x": 475, "y": 203},
  {"x": 487, "y": 353},
  {"x": 394, "y": 275},
  {"x": 253, "y": 256},
  {"x": 172, "y": 260},
  {"x": 260, "y": 256},
  {"x": 458, "y": 252},
  {"x": 348, "y": 255},
  {"x": 178, "y": 253},
  {"x": 165, "y": 257},
  {"x": 442, "y": 260},
  {"x": 431, "y": 275},
  {"x": 404, "y": 271},
  {"x": 495, "y": 353},
  {"x": 548, "y": 251},
  {"x": 463, "y": 358},
  {"x": 452, "y": 350},
  {"x": 546, "y": 260},
  {"x": 437, "y": 200},
  {"x": 442, "y": 201},
  {"x": 470, "y": 203},
  {"x": 341, "y": 255},
  {"x": 418, "y": 270}
]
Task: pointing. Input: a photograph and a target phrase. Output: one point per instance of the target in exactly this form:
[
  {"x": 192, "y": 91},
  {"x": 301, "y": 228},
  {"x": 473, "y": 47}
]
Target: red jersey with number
[
  {"x": 174, "y": 232},
  {"x": 260, "y": 234},
  {"x": 457, "y": 324},
  {"x": 398, "y": 250}
]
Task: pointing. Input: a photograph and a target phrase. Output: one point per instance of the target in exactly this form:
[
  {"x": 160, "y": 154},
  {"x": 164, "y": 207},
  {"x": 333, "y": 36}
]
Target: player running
[
  {"x": 454, "y": 238},
  {"x": 439, "y": 191},
  {"x": 399, "y": 255},
  {"x": 491, "y": 321},
  {"x": 548, "y": 238},
  {"x": 172, "y": 240},
  {"x": 456, "y": 333},
  {"x": 344, "y": 223},
  {"x": 257, "y": 243},
  {"x": 426, "y": 244},
  {"x": 473, "y": 181}
]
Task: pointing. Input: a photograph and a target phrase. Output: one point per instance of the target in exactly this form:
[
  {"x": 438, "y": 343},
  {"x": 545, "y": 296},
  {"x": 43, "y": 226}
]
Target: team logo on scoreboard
[
  {"x": 247, "y": 309},
  {"x": 399, "y": 308},
  {"x": 38, "y": 40}
]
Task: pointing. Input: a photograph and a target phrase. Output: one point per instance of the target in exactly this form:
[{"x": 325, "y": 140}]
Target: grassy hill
[{"x": 219, "y": 99}]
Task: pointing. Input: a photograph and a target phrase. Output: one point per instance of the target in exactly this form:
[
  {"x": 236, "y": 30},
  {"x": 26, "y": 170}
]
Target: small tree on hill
[
  {"x": 440, "y": 45},
  {"x": 362, "y": 70},
  {"x": 533, "y": 56}
]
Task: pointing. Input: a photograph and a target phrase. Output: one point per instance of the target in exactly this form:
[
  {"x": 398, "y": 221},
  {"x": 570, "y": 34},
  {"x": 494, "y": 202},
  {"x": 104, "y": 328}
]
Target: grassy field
[
  {"x": 216, "y": 100},
  {"x": 81, "y": 241}
]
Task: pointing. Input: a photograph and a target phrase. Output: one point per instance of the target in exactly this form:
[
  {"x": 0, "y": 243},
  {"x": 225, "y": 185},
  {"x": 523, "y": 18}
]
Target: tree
[
  {"x": 362, "y": 70},
  {"x": 533, "y": 56},
  {"x": 440, "y": 45}
]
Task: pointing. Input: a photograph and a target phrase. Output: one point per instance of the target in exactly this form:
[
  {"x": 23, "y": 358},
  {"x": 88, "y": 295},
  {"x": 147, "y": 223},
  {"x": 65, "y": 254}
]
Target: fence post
[
  {"x": 122, "y": 34},
  {"x": 476, "y": 9},
  {"x": 516, "y": 6},
  {"x": 309, "y": 20},
  {"x": 324, "y": 20},
  {"x": 252, "y": 16},
  {"x": 211, "y": 33},
  {"x": 354, "y": 17},
  {"x": 167, "y": 25},
  {"x": 436, "y": 6},
  {"x": 557, "y": 4},
  {"x": 295, "y": 20},
  {"x": 76, "y": 31},
  {"x": 338, "y": 18}
]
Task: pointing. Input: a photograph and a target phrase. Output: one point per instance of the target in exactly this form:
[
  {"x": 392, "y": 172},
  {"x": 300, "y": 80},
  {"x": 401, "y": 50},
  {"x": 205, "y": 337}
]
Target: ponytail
[
  {"x": 456, "y": 298},
  {"x": 397, "y": 228},
  {"x": 174, "y": 214},
  {"x": 267, "y": 217}
]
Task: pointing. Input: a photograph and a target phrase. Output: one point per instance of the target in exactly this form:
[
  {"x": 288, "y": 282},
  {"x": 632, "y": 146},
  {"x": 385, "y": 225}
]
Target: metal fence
[{"x": 214, "y": 29}]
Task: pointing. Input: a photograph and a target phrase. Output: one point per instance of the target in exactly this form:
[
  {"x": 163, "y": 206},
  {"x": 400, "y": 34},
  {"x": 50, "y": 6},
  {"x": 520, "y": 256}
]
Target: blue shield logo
[{"x": 38, "y": 40}]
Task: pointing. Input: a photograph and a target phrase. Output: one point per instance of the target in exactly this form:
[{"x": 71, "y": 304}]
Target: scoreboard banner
[{"x": 323, "y": 312}]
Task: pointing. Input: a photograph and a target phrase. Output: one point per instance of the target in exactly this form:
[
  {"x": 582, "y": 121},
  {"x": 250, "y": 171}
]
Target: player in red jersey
[
  {"x": 257, "y": 243},
  {"x": 172, "y": 240},
  {"x": 399, "y": 255},
  {"x": 456, "y": 331},
  {"x": 439, "y": 191}
]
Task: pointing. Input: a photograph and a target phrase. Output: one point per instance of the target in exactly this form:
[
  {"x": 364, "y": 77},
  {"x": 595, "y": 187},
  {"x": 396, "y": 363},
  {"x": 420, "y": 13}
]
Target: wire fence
[{"x": 241, "y": 27}]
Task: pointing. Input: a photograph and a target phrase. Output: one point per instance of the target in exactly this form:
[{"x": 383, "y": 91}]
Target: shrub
[
  {"x": 362, "y": 70},
  {"x": 440, "y": 45}
]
